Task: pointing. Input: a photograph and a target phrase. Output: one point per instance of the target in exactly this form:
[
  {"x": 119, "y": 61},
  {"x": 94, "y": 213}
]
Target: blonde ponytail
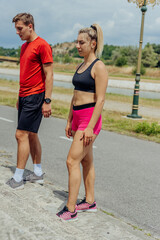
[{"x": 95, "y": 33}]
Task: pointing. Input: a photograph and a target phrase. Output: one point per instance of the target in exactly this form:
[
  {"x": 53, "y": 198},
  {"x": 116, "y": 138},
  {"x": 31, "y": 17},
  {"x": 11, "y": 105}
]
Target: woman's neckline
[{"x": 86, "y": 68}]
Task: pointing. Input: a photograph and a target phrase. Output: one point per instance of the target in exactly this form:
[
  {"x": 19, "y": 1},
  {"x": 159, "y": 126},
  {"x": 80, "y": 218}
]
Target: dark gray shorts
[{"x": 30, "y": 112}]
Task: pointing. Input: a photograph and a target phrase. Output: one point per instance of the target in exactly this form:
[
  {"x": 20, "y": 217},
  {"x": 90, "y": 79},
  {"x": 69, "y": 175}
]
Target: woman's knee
[
  {"x": 69, "y": 162},
  {"x": 72, "y": 163},
  {"x": 87, "y": 162},
  {"x": 84, "y": 163},
  {"x": 86, "y": 166}
]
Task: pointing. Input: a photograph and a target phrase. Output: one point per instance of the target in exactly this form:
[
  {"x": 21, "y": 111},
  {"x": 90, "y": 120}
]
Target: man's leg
[
  {"x": 35, "y": 148},
  {"x": 23, "y": 150},
  {"x": 36, "y": 152}
]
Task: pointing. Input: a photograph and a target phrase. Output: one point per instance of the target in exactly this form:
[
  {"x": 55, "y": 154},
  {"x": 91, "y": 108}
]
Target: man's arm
[{"x": 48, "y": 71}]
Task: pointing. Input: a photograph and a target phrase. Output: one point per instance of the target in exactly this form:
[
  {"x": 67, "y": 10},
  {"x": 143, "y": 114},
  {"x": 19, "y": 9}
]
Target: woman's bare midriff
[{"x": 81, "y": 97}]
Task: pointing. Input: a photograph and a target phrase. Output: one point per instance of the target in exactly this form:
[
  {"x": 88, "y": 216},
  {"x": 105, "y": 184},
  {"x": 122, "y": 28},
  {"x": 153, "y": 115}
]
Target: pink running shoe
[
  {"x": 66, "y": 215},
  {"x": 83, "y": 206}
]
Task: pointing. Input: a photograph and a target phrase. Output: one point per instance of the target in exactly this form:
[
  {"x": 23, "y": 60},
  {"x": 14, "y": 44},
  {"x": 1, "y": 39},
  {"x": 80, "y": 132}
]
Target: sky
[{"x": 59, "y": 21}]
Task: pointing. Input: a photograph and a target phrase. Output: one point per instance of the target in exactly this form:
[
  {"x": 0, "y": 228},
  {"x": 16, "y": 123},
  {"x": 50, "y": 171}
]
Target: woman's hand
[
  {"x": 68, "y": 129},
  {"x": 87, "y": 136}
]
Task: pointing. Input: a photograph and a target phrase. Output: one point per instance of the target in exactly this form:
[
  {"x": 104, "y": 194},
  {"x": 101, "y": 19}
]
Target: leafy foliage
[
  {"x": 149, "y": 57},
  {"x": 125, "y": 55},
  {"x": 73, "y": 52},
  {"x": 9, "y": 52},
  {"x": 142, "y": 70},
  {"x": 112, "y": 55},
  {"x": 147, "y": 129},
  {"x": 107, "y": 51}
]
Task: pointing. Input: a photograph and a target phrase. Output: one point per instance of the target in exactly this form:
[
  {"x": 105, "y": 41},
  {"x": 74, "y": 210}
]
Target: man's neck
[{"x": 32, "y": 37}]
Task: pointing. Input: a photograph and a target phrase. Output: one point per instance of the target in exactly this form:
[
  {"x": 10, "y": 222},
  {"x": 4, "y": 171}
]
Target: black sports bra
[{"x": 84, "y": 81}]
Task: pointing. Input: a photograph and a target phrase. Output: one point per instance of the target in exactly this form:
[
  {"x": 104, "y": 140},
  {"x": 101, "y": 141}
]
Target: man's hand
[
  {"x": 46, "y": 110},
  {"x": 17, "y": 104}
]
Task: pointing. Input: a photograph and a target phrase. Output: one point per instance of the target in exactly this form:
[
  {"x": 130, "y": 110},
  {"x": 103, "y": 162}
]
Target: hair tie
[{"x": 94, "y": 27}]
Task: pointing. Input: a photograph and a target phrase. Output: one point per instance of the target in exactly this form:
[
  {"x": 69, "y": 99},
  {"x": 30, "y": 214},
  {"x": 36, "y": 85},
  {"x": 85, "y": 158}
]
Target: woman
[{"x": 84, "y": 121}]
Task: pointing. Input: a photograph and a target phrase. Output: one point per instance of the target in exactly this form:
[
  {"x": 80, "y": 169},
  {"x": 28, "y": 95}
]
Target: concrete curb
[{"x": 31, "y": 214}]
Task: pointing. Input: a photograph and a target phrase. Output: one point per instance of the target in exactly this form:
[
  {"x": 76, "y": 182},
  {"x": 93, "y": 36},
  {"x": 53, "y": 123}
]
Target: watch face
[{"x": 47, "y": 100}]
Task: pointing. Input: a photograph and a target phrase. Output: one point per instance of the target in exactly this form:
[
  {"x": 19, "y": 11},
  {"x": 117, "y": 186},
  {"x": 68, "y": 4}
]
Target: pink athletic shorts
[{"x": 81, "y": 117}]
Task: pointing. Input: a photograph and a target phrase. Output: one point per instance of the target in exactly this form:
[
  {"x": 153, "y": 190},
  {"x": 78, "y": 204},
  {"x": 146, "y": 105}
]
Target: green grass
[
  {"x": 125, "y": 76},
  {"x": 62, "y": 90},
  {"x": 8, "y": 98},
  {"x": 128, "y": 99},
  {"x": 114, "y": 121}
]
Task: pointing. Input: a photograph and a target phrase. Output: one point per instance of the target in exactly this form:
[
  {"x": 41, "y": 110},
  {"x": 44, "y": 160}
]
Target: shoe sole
[
  {"x": 87, "y": 210},
  {"x": 69, "y": 220},
  {"x": 17, "y": 188},
  {"x": 35, "y": 181}
]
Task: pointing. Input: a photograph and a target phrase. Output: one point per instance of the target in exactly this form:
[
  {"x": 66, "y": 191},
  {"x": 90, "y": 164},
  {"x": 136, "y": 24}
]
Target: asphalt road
[{"x": 127, "y": 169}]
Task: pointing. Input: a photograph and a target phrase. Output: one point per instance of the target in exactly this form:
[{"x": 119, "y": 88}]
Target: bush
[
  {"x": 67, "y": 59},
  {"x": 149, "y": 57},
  {"x": 143, "y": 70},
  {"x": 121, "y": 61},
  {"x": 147, "y": 129}
]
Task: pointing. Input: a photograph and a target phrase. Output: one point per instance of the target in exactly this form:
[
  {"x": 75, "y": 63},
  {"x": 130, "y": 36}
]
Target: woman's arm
[
  {"x": 101, "y": 82},
  {"x": 68, "y": 128}
]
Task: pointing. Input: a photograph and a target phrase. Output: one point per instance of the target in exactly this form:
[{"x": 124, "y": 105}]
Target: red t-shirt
[{"x": 32, "y": 77}]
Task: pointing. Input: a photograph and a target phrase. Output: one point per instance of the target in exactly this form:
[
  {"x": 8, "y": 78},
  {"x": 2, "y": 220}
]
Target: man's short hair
[{"x": 26, "y": 18}]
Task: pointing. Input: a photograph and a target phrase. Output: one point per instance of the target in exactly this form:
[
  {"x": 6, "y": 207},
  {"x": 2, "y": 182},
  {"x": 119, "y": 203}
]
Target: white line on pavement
[
  {"x": 5, "y": 119},
  {"x": 65, "y": 138},
  {"x": 70, "y": 139}
]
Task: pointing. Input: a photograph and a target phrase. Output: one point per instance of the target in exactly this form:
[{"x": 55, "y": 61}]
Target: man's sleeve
[{"x": 46, "y": 53}]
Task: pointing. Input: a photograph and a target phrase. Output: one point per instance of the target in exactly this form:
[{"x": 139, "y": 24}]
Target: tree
[
  {"x": 74, "y": 52},
  {"x": 107, "y": 51},
  {"x": 121, "y": 61},
  {"x": 156, "y": 48},
  {"x": 125, "y": 55},
  {"x": 67, "y": 58},
  {"x": 149, "y": 57}
]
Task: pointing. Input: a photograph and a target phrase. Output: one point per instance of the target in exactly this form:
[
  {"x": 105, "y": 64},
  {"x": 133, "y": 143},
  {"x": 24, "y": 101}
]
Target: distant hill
[{"x": 63, "y": 48}]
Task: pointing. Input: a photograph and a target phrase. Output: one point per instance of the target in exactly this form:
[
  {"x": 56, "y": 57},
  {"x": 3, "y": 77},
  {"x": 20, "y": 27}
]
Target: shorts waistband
[{"x": 88, "y": 105}]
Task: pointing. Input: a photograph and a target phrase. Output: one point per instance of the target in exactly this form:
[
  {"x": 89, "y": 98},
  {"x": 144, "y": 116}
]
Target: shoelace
[
  {"x": 65, "y": 209},
  {"x": 83, "y": 201}
]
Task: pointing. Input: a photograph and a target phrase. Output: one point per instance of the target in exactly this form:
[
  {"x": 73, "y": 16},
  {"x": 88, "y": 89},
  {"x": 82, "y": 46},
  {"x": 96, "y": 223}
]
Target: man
[{"x": 36, "y": 81}]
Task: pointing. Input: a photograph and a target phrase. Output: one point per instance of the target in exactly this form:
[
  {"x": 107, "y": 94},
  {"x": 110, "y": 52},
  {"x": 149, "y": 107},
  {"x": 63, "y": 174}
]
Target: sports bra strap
[
  {"x": 93, "y": 63},
  {"x": 79, "y": 66},
  {"x": 90, "y": 66}
]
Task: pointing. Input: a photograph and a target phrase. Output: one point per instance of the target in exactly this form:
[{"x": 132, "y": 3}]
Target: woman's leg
[
  {"x": 89, "y": 176},
  {"x": 77, "y": 152}
]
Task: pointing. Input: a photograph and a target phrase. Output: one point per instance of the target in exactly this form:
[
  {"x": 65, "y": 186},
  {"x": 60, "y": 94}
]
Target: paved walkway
[
  {"x": 118, "y": 83},
  {"x": 30, "y": 214}
]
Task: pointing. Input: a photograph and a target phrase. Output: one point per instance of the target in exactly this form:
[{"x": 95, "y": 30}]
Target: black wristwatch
[{"x": 47, "y": 100}]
